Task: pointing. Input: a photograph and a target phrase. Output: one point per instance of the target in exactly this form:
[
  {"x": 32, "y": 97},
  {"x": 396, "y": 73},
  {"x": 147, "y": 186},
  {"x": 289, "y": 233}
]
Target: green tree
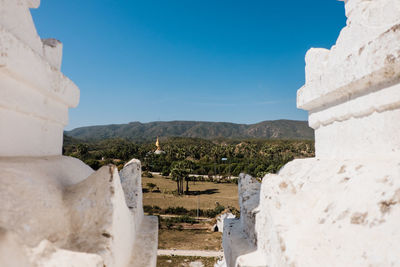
[
  {"x": 82, "y": 149},
  {"x": 180, "y": 171}
]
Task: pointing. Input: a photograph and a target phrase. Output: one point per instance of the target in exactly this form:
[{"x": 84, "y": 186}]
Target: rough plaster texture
[
  {"x": 219, "y": 226},
  {"x": 341, "y": 208},
  {"x": 131, "y": 180},
  {"x": 31, "y": 193},
  {"x": 249, "y": 191},
  {"x": 99, "y": 201},
  {"x": 331, "y": 213},
  {"x": 239, "y": 236},
  {"x": 55, "y": 211},
  {"x": 357, "y": 82},
  {"x": 35, "y": 95},
  {"x": 145, "y": 249}
]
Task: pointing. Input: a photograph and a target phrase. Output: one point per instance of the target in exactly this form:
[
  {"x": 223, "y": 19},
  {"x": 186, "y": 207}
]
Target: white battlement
[
  {"x": 352, "y": 91},
  {"x": 342, "y": 207},
  {"x": 55, "y": 210},
  {"x": 35, "y": 95}
]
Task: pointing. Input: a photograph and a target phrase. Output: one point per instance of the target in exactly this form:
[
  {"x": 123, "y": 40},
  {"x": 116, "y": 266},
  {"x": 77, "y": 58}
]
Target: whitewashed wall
[
  {"x": 55, "y": 210},
  {"x": 341, "y": 208}
]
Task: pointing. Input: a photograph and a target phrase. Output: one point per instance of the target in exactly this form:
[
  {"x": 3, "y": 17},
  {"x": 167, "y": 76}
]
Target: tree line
[{"x": 193, "y": 155}]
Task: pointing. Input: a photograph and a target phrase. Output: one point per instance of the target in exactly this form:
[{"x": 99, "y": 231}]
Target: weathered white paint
[
  {"x": 352, "y": 91},
  {"x": 35, "y": 95},
  {"x": 219, "y": 226},
  {"x": 342, "y": 207},
  {"x": 239, "y": 236},
  {"x": 55, "y": 210},
  {"x": 131, "y": 180}
]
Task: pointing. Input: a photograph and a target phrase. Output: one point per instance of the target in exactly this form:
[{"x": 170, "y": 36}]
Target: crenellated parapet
[
  {"x": 353, "y": 88},
  {"x": 35, "y": 95},
  {"x": 342, "y": 207},
  {"x": 55, "y": 210}
]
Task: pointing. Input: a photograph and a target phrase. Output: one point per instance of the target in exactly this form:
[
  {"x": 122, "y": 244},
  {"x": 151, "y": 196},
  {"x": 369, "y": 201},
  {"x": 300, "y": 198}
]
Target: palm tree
[{"x": 180, "y": 171}]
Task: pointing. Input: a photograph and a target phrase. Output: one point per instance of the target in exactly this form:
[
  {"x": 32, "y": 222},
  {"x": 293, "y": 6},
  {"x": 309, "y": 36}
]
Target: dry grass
[
  {"x": 189, "y": 239},
  {"x": 210, "y": 193},
  {"x": 180, "y": 261}
]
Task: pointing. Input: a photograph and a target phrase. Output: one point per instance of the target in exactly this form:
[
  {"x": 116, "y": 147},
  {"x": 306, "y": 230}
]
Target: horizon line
[{"x": 111, "y": 124}]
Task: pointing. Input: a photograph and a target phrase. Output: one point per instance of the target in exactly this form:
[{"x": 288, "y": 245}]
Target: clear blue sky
[{"x": 210, "y": 60}]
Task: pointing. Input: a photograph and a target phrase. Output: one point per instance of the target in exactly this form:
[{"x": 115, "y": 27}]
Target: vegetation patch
[
  {"x": 184, "y": 261},
  {"x": 210, "y": 213},
  {"x": 219, "y": 157}
]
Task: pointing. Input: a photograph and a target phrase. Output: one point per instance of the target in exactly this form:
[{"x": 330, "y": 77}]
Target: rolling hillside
[{"x": 279, "y": 129}]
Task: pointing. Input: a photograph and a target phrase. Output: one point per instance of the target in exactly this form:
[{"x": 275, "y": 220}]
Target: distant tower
[
  {"x": 159, "y": 150},
  {"x": 158, "y": 144}
]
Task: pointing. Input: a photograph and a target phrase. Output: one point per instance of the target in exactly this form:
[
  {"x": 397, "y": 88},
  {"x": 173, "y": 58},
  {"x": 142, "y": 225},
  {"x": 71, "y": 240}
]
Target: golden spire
[{"x": 158, "y": 144}]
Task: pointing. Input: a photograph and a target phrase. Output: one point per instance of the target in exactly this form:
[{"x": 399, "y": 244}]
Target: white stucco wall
[
  {"x": 35, "y": 95},
  {"x": 342, "y": 207},
  {"x": 55, "y": 210}
]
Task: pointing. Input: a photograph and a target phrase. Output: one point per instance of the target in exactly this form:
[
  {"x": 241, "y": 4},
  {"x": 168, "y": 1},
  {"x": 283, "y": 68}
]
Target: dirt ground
[
  {"x": 189, "y": 239},
  {"x": 209, "y": 193}
]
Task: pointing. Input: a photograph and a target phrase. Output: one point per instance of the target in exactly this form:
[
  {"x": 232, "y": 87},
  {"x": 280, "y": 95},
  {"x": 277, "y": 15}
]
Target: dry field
[
  {"x": 189, "y": 239},
  {"x": 209, "y": 194}
]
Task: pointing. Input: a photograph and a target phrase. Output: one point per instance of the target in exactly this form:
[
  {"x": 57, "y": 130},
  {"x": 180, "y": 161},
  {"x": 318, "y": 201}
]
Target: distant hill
[{"x": 279, "y": 129}]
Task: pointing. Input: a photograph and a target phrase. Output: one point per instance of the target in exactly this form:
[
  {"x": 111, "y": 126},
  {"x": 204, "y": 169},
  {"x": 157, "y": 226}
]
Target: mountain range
[{"x": 278, "y": 129}]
